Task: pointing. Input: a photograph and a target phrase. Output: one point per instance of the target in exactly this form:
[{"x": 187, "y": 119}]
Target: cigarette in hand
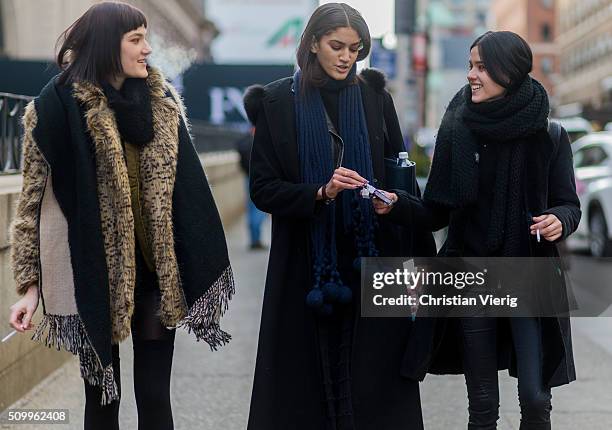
[
  {"x": 10, "y": 335},
  {"x": 538, "y": 235}
]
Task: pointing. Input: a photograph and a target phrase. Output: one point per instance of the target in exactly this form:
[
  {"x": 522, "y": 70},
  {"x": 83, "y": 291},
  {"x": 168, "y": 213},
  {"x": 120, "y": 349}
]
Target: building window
[
  {"x": 546, "y": 65},
  {"x": 546, "y": 32}
]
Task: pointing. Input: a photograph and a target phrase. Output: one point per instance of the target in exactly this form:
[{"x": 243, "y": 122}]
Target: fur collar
[
  {"x": 255, "y": 94},
  {"x": 158, "y": 161}
]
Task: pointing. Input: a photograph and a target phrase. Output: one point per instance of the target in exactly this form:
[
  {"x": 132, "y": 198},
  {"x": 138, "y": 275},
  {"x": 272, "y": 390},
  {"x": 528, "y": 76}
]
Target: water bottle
[{"x": 402, "y": 159}]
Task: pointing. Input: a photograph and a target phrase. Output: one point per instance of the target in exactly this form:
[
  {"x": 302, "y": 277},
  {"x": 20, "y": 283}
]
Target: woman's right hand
[
  {"x": 23, "y": 311},
  {"x": 380, "y": 207},
  {"x": 343, "y": 179}
]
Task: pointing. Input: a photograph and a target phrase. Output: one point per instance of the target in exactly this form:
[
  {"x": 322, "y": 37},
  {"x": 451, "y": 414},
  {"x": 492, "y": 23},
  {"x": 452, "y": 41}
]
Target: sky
[{"x": 378, "y": 14}]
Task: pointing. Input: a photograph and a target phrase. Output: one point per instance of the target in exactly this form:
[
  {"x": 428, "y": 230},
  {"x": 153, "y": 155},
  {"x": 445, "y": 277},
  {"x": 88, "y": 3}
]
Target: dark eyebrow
[
  {"x": 342, "y": 43},
  {"x": 136, "y": 34}
]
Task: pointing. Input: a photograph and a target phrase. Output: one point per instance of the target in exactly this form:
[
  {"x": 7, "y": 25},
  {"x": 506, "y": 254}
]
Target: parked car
[{"x": 593, "y": 169}]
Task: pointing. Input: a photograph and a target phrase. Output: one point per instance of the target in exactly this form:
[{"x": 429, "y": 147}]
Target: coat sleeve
[
  {"x": 25, "y": 250},
  {"x": 563, "y": 201},
  {"x": 426, "y": 215},
  {"x": 270, "y": 190}
]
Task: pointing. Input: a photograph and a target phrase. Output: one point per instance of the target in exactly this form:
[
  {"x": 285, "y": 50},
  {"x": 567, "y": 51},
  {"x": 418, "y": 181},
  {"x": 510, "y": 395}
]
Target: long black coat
[
  {"x": 288, "y": 391},
  {"x": 437, "y": 344}
]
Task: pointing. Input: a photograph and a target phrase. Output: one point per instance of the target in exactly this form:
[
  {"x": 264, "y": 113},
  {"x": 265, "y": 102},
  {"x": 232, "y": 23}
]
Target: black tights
[
  {"x": 153, "y": 350},
  {"x": 480, "y": 362}
]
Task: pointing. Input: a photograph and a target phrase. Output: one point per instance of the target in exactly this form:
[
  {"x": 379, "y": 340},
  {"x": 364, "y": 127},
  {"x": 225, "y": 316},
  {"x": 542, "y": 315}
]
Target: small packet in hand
[{"x": 368, "y": 191}]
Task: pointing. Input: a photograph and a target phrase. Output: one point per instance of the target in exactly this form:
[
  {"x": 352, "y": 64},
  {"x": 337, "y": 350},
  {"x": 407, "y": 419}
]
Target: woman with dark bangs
[
  {"x": 116, "y": 230},
  {"x": 320, "y": 136}
]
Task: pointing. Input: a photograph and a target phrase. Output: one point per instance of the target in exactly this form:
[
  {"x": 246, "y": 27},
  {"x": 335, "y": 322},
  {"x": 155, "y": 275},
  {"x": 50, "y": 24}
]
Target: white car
[{"x": 593, "y": 169}]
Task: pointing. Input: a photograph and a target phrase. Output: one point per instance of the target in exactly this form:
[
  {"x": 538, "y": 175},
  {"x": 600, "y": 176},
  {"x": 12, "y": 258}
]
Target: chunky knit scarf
[
  {"x": 133, "y": 110},
  {"x": 317, "y": 166},
  {"x": 509, "y": 122}
]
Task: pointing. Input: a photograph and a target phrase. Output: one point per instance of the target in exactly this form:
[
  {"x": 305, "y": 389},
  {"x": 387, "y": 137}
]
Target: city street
[{"x": 212, "y": 390}]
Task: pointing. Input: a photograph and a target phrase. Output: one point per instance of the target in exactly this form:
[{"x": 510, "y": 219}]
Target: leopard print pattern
[
  {"x": 23, "y": 233},
  {"x": 117, "y": 219}
]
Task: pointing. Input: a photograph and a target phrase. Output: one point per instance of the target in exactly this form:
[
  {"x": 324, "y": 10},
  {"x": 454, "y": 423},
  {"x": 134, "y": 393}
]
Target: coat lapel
[
  {"x": 158, "y": 161},
  {"x": 116, "y": 217},
  {"x": 373, "y": 109}
]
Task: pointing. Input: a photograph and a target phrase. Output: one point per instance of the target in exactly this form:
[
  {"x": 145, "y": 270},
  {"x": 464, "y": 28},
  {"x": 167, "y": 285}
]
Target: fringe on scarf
[
  {"x": 203, "y": 317},
  {"x": 67, "y": 332}
]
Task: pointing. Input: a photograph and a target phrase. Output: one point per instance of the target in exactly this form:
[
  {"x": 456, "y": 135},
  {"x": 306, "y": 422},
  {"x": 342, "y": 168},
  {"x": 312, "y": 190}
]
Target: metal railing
[
  {"x": 207, "y": 137},
  {"x": 11, "y": 130}
]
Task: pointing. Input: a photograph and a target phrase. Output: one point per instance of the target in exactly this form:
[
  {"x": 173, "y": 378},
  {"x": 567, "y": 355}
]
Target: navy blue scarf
[{"x": 317, "y": 167}]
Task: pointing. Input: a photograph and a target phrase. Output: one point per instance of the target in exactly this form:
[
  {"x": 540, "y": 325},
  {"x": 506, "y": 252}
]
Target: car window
[{"x": 592, "y": 155}]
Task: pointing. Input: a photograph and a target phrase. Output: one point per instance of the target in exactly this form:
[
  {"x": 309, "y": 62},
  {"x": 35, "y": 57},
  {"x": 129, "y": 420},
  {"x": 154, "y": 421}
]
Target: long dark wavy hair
[
  {"x": 91, "y": 47},
  {"x": 324, "y": 20}
]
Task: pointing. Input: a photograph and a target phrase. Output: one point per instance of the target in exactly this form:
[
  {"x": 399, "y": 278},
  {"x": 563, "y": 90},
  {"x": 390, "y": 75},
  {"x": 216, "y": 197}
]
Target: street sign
[{"x": 258, "y": 31}]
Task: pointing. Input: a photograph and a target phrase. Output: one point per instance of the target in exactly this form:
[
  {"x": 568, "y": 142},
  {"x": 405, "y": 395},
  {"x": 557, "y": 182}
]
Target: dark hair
[
  {"x": 506, "y": 56},
  {"x": 91, "y": 47},
  {"x": 324, "y": 20}
]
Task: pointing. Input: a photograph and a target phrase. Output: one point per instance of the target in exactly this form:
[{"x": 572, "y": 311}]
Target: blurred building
[
  {"x": 258, "y": 31},
  {"x": 451, "y": 27},
  {"x": 179, "y": 31},
  {"x": 585, "y": 43},
  {"x": 535, "y": 21}
]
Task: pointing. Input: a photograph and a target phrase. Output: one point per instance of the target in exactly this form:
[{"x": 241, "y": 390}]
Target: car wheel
[{"x": 599, "y": 243}]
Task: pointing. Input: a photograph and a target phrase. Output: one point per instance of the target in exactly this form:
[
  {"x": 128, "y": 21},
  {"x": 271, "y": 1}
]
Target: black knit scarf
[
  {"x": 317, "y": 166},
  {"x": 509, "y": 122},
  {"x": 132, "y": 107}
]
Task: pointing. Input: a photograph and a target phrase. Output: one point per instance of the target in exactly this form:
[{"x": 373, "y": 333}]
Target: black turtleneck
[{"x": 331, "y": 97}]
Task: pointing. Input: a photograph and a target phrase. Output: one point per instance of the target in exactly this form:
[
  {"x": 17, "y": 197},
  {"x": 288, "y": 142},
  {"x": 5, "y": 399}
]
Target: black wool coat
[
  {"x": 288, "y": 390},
  {"x": 437, "y": 343}
]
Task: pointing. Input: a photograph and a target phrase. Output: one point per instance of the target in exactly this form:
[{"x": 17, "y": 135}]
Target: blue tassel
[
  {"x": 331, "y": 292},
  {"x": 315, "y": 298}
]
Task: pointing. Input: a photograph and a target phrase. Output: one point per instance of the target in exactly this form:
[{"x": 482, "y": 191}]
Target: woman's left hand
[
  {"x": 549, "y": 225},
  {"x": 380, "y": 207}
]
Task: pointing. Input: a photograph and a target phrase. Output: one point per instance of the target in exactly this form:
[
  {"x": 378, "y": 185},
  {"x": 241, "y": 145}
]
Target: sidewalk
[{"x": 212, "y": 390}]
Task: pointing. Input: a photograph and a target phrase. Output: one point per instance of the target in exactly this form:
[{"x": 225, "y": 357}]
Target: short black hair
[
  {"x": 506, "y": 56},
  {"x": 324, "y": 20},
  {"x": 91, "y": 47}
]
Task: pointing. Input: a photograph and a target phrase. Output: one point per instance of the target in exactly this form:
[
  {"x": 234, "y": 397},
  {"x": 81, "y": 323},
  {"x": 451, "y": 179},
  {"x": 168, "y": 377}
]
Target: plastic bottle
[{"x": 402, "y": 159}]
